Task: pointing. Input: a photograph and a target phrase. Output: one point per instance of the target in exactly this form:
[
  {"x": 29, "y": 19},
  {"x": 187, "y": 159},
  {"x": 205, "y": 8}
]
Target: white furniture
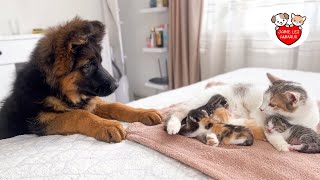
[{"x": 17, "y": 49}]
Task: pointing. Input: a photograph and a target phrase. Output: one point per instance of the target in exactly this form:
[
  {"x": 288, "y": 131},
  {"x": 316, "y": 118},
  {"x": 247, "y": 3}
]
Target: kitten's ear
[
  {"x": 272, "y": 78},
  {"x": 304, "y": 18},
  {"x": 293, "y": 97},
  {"x": 292, "y": 15},
  {"x": 283, "y": 124},
  {"x": 205, "y": 113},
  {"x": 193, "y": 119}
]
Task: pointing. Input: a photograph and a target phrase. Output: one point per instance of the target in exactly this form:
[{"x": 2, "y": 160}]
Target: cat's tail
[{"x": 257, "y": 131}]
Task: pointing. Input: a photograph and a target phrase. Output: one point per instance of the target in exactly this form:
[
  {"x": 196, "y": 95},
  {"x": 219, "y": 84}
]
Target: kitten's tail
[{"x": 257, "y": 131}]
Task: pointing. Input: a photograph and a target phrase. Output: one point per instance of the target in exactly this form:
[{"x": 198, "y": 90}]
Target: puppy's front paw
[
  {"x": 173, "y": 125},
  {"x": 111, "y": 132},
  {"x": 150, "y": 117},
  {"x": 212, "y": 140}
]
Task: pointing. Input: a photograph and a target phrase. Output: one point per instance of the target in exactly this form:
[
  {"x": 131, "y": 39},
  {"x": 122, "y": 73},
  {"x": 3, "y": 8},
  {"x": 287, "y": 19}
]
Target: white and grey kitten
[{"x": 300, "y": 138}]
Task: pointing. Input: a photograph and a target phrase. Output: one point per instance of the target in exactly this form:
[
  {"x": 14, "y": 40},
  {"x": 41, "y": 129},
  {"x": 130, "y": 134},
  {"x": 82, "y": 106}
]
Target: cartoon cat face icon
[
  {"x": 280, "y": 19},
  {"x": 297, "y": 20}
]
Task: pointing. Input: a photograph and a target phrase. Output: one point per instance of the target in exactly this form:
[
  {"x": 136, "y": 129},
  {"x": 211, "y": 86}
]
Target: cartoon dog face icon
[{"x": 280, "y": 19}]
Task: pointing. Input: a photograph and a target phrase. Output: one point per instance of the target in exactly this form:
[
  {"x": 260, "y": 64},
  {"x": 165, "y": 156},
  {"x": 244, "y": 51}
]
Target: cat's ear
[
  {"x": 283, "y": 124},
  {"x": 292, "y": 15},
  {"x": 304, "y": 18},
  {"x": 272, "y": 78},
  {"x": 205, "y": 113},
  {"x": 293, "y": 97}
]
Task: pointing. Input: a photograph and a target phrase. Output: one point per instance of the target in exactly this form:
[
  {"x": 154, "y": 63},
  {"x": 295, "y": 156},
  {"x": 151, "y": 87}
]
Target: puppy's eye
[
  {"x": 271, "y": 105},
  {"x": 87, "y": 66},
  {"x": 208, "y": 126}
]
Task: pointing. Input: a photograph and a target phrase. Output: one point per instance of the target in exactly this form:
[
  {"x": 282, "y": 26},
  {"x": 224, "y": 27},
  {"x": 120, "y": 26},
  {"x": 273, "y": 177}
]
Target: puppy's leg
[
  {"x": 125, "y": 113},
  {"x": 82, "y": 122}
]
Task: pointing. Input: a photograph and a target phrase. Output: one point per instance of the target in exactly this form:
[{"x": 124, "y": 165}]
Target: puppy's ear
[
  {"x": 98, "y": 30},
  {"x": 273, "y": 19},
  {"x": 286, "y": 16},
  {"x": 76, "y": 39}
]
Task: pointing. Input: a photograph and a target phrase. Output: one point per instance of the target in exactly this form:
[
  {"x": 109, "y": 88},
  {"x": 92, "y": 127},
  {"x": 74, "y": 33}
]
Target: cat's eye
[
  {"x": 271, "y": 105},
  {"x": 208, "y": 126}
]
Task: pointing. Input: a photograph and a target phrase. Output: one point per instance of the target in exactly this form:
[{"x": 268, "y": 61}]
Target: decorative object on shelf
[
  {"x": 166, "y": 3},
  {"x": 153, "y": 38},
  {"x": 158, "y": 37},
  {"x": 165, "y": 34},
  {"x": 153, "y": 3},
  {"x": 162, "y": 3},
  {"x": 159, "y": 3}
]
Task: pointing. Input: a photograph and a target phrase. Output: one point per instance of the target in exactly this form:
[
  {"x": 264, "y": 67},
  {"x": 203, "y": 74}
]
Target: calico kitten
[
  {"x": 215, "y": 102},
  {"x": 215, "y": 132},
  {"x": 300, "y": 138}
]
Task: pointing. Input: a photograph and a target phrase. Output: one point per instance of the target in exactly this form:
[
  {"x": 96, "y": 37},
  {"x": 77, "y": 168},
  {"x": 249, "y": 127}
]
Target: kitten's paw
[
  {"x": 212, "y": 140},
  {"x": 295, "y": 147},
  {"x": 173, "y": 126},
  {"x": 283, "y": 147}
]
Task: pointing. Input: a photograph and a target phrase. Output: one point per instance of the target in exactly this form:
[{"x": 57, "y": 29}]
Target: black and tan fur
[{"x": 57, "y": 92}]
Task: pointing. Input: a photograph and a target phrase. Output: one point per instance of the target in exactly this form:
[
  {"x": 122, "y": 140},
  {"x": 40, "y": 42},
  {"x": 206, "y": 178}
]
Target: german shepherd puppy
[{"x": 57, "y": 90}]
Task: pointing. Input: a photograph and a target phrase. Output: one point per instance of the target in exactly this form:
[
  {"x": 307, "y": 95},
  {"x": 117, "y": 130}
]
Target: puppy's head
[
  {"x": 280, "y": 19},
  {"x": 70, "y": 57}
]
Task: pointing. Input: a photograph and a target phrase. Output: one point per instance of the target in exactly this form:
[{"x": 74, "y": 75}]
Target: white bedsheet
[{"x": 77, "y": 156}]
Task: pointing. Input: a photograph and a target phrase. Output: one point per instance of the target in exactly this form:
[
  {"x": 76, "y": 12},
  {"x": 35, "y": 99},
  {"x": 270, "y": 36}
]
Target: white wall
[
  {"x": 136, "y": 27},
  {"x": 43, "y": 13}
]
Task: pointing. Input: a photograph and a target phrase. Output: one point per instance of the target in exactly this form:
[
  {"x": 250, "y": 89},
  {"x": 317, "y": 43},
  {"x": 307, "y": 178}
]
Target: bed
[{"x": 77, "y": 156}]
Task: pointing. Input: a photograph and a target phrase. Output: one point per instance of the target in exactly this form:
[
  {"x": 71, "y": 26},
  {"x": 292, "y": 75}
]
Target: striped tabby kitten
[
  {"x": 300, "y": 138},
  {"x": 218, "y": 132}
]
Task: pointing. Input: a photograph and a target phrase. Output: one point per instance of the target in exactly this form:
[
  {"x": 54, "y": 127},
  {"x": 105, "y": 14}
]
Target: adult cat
[{"x": 248, "y": 101}]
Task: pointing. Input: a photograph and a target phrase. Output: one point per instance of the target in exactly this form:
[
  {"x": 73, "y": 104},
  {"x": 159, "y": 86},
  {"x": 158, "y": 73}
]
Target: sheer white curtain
[{"x": 235, "y": 35}]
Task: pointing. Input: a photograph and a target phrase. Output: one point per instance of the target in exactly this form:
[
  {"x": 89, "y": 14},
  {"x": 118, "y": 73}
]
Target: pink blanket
[{"x": 260, "y": 161}]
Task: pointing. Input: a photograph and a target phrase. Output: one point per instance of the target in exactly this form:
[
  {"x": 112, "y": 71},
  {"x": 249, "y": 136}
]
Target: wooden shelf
[
  {"x": 156, "y": 86},
  {"x": 155, "y": 50},
  {"x": 154, "y": 10}
]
